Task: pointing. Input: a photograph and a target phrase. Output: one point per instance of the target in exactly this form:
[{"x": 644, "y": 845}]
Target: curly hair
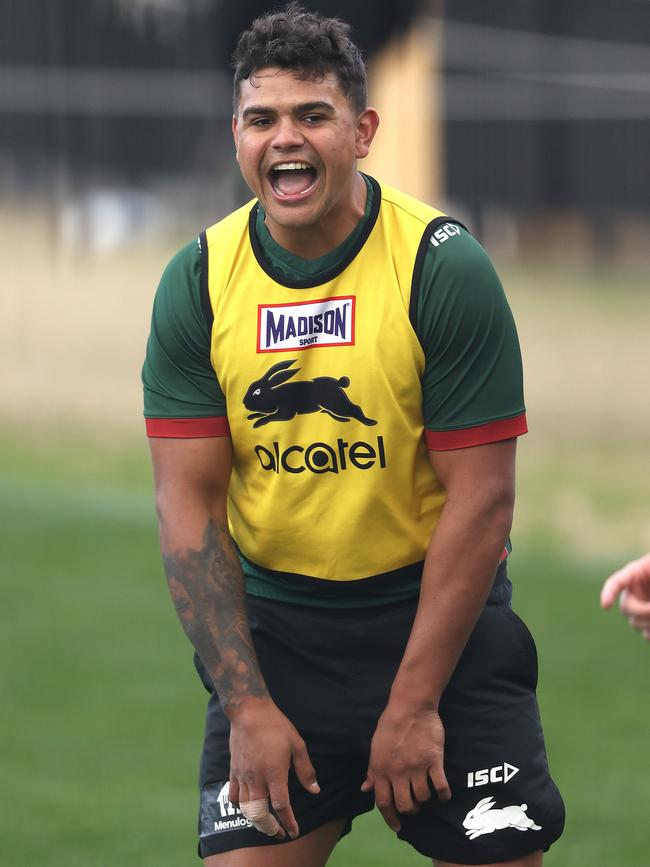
[{"x": 313, "y": 46}]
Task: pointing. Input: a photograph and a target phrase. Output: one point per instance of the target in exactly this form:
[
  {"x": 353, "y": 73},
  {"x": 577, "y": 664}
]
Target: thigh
[
  {"x": 223, "y": 828},
  {"x": 312, "y": 850},
  {"x": 504, "y": 803}
]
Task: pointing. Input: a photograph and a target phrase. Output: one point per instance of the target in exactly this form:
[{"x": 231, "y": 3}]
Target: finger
[
  {"x": 614, "y": 585},
  {"x": 635, "y": 574},
  {"x": 420, "y": 788},
  {"x": 640, "y": 622},
  {"x": 259, "y": 792},
  {"x": 233, "y": 792},
  {"x": 632, "y": 606},
  {"x": 646, "y": 634},
  {"x": 304, "y": 769},
  {"x": 385, "y": 803},
  {"x": 439, "y": 782},
  {"x": 257, "y": 812},
  {"x": 279, "y": 793},
  {"x": 369, "y": 782},
  {"x": 403, "y": 797}
]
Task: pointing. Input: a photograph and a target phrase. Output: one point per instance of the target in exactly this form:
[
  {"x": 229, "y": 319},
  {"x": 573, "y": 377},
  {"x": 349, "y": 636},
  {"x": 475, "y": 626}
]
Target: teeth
[{"x": 290, "y": 167}]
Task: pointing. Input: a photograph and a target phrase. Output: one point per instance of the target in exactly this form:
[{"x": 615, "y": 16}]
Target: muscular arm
[
  {"x": 201, "y": 563},
  {"x": 460, "y": 565},
  {"x": 207, "y": 587}
]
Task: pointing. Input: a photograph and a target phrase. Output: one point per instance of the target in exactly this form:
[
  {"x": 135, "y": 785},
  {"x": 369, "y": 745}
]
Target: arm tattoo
[{"x": 207, "y": 587}]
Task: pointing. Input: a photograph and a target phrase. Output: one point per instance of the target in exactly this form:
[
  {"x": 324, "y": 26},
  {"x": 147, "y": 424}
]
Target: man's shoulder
[
  {"x": 402, "y": 203},
  {"x": 188, "y": 258},
  {"x": 181, "y": 271},
  {"x": 235, "y": 220}
]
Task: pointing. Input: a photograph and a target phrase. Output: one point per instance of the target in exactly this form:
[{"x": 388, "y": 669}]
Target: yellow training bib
[{"x": 331, "y": 476}]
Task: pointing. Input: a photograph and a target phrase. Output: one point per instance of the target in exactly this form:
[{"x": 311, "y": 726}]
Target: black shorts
[{"x": 330, "y": 671}]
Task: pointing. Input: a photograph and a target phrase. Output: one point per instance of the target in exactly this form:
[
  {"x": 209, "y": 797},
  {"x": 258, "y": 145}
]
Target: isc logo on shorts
[
  {"x": 500, "y": 774},
  {"x": 303, "y": 324}
]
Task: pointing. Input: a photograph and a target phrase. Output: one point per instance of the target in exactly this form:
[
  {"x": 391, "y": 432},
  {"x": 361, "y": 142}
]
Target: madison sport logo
[
  {"x": 304, "y": 324},
  {"x": 271, "y": 400}
]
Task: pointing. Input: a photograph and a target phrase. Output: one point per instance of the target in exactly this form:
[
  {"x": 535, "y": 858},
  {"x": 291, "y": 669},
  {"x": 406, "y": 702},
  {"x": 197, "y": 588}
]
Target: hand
[
  {"x": 632, "y": 584},
  {"x": 407, "y": 752},
  {"x": 263, "y": 746}
]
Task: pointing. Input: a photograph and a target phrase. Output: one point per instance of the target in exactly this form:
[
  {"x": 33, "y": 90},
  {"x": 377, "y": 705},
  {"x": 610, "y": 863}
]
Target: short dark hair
[{"x": 313, "y": 46}]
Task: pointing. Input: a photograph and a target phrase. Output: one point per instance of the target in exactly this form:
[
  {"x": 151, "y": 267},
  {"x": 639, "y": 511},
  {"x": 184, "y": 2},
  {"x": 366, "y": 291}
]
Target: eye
[
  {"x": 261, "y": 122},
  {"x": 313, "y": 118},
  {"x": 257, "y": 391}
]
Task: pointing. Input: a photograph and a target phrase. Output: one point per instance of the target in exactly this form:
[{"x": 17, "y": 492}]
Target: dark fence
[{"x": 548, "y": 104}]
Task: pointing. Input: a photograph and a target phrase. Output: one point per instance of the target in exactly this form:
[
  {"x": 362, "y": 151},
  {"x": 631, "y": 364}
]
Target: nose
[{"x": 287, "y": 134}]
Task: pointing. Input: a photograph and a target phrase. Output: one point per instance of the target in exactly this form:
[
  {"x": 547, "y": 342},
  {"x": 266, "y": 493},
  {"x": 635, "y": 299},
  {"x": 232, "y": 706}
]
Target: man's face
[{"x": 297, "y": 145}]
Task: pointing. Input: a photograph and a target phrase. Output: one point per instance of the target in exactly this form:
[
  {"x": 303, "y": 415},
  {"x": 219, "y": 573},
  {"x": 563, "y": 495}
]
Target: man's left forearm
[
  {"x": 407, "y": 750},
  {"x": 459, "y": 569}
]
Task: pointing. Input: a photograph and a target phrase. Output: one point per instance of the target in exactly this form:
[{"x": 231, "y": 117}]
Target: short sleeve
[
  {"x": 182, "y": 396},
  {"x": 472, "y": 383}
]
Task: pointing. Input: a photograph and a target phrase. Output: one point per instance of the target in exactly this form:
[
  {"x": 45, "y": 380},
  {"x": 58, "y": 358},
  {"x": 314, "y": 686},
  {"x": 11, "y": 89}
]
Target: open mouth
[{"x": 292, "y": 179}]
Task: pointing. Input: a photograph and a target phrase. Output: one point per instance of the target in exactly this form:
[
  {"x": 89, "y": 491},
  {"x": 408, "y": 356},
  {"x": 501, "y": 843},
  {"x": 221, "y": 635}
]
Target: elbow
[
  {"x": 163, "y": 504},
  {"x": 181, "y": 509},
  {"x": 503, "y": 516},
  {"x": 490, "y": 508},
  {"x": 499, "y": 508}
]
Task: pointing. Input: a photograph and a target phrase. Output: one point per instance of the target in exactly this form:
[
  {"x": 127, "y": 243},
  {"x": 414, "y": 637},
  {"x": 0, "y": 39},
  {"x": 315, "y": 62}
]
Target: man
[
  {"x": 333, "y": 395},
  {"x": 631, "y": 585}
]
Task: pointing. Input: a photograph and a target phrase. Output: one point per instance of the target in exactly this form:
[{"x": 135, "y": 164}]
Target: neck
[{"x": 320, "y": 238}]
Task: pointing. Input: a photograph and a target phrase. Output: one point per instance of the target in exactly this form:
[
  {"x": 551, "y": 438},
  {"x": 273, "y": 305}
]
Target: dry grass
[{"x": 72, "y": 330}]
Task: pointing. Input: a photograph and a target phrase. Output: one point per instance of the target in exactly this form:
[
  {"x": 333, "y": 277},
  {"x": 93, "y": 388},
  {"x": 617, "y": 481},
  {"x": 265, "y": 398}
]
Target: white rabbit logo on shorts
[{"x": 484, "y": 820}]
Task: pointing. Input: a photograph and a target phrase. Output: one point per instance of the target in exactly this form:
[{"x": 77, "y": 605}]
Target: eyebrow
[{"x": 316, "y": 105}]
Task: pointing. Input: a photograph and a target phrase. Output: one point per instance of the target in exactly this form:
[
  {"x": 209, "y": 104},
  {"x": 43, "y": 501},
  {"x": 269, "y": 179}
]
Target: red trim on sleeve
[
  {"x": 188, "y": 428},
  {"x": 480, "y": 435}
]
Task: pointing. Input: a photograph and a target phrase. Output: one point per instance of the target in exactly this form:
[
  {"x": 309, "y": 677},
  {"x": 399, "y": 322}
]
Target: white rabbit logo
[{"x": 484, "y": 820}]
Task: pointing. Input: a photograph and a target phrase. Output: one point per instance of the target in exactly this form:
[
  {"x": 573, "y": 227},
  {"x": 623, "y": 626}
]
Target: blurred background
[{"x": 528, "y": 120}]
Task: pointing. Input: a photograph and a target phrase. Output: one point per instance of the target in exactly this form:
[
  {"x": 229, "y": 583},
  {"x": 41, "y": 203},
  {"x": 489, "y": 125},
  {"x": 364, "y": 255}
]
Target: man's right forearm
[{"x": 207, "y": 586}]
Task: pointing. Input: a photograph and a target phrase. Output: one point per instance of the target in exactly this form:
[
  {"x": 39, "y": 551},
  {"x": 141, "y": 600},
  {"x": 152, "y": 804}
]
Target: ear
[
  {"x": 367, "y": 124},
  {"x": 281, "y": 365},
  {"x": 283, "y": 376},
  {"x": 484, "y": 805},
  {"x": 235, "y": 133}
]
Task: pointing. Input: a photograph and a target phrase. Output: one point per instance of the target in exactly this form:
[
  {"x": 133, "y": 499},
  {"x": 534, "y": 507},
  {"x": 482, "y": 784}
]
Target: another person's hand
[
  {"x": 407, "y": 752},
  {"x": 264, "y": 744},
  {"x": 632, "y": 584}
]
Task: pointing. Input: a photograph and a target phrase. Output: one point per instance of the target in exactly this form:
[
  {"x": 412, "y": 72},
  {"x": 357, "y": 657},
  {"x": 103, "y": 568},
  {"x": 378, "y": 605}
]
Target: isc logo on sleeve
[
  {"x": 301, "y": 325},
  {"x": 448, "y": 230}
]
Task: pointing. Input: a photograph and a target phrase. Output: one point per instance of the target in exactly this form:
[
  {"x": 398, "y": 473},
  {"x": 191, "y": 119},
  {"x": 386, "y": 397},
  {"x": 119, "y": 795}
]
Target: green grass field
[{"x": 102, "y": 713}]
